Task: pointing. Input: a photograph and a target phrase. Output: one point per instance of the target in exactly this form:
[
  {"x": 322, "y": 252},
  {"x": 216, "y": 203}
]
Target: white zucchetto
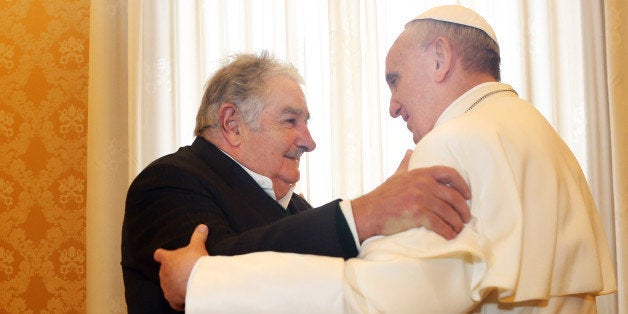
[{"x": 459, "y": 15}]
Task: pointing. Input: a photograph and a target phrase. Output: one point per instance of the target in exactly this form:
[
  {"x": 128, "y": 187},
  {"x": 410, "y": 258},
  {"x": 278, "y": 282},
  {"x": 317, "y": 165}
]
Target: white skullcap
[{"x": 459, "y": 15}]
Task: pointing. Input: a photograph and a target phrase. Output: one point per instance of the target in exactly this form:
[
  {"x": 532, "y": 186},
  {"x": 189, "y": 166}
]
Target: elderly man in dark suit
[{"x": 238, "y": 178}]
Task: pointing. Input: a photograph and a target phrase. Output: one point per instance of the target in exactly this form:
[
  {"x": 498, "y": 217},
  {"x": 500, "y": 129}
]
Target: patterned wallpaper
[{"x": 43, "y": 129}]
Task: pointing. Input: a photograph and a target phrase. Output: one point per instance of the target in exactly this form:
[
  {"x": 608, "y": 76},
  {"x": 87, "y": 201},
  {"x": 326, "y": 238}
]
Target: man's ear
[
  {"x": 443, "y": 54},
  {"x": 229, "y": 123}
]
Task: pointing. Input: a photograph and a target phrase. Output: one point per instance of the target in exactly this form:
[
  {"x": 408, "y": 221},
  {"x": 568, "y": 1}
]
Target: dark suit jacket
[{"x": 200, "y": 184}]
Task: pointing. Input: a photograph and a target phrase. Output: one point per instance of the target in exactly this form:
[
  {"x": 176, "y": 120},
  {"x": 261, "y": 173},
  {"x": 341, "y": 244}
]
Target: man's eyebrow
[{"x": 295, "y": 111}]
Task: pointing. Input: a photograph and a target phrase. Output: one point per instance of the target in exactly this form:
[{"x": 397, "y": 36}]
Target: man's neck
[{"x": 464, "y": 82}]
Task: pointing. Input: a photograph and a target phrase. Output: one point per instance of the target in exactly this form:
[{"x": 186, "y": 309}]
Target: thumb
[
  {"x": 403, "y": 166},
  {"x": 199, "y": 236},
  {"x": 158, "y": 256}
]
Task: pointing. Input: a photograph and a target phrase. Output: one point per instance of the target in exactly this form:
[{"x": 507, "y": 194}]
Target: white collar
[{"x": 470, "y": 99}]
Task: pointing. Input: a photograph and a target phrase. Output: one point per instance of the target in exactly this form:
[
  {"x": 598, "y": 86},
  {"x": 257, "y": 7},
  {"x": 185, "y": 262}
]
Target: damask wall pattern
[{"x": 43, "y": 140}]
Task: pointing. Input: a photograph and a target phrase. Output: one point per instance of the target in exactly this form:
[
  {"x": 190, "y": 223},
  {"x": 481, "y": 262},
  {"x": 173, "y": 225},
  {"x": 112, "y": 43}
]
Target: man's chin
[
  {"x": 292, "y": 178},
  {"x": 283, "y": 186},
  {"x": 416, "y": 138}
]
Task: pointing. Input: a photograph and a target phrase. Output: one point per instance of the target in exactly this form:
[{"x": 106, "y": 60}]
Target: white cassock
[{"x": 535, "y": 243}]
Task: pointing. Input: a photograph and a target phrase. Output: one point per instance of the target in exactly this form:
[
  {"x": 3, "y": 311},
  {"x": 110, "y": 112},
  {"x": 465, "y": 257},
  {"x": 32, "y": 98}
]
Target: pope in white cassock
[{"x": 535, "y": 243}]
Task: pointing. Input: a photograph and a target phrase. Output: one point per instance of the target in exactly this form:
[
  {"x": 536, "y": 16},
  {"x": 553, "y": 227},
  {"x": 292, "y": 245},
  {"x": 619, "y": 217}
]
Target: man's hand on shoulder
[
  {"x": 177, "y": 265},
  {"x": 434, "y": 198}
]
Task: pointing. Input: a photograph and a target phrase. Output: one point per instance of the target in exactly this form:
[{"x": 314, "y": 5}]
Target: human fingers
[
  {"x": 452, "y": 204},
  {"x": 199, "y": 236},
  {"x": 168, "y": 285},
  {"x": 177, "y": 306},
  {"x": 434, "y": 222},
  {"x": 451, "y": 177},
  {"x": 403, "y": 166},
  {"x": 420, "y": 218},
  {"x": 159, "y": 255},
  {"x": 444, "y": 212},
  {"x": 451, "y": 189},
  {"x": 424, "y": 195}
]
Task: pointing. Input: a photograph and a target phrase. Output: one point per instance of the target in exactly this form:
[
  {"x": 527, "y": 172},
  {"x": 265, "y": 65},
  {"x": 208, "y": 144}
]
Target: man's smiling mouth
[{"x": 295, "y": 154}]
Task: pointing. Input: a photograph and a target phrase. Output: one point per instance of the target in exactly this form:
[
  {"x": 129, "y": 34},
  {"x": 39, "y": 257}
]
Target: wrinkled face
[
  {"x": 274, "y": 149},
  {"x": 409, "y": 70}
]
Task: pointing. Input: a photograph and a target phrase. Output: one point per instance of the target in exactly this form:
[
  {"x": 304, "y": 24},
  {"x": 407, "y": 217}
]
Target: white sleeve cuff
[{"x": 347, "y": 211}]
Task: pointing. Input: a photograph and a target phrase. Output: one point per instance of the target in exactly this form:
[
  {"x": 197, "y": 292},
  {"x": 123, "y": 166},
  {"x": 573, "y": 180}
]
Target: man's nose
[
  {"x": 306, "y": 141},
  {"x": 394, "y": 108}
]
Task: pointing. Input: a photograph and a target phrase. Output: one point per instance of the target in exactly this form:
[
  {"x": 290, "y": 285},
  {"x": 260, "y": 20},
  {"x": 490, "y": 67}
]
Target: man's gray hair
[
  {"x": 479, "y": 52},
  {"x": 242, "y": 81}
]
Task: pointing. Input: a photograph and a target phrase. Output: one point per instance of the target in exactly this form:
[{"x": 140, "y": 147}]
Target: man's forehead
[
  {"x": 287, "y": 110},
  {"x": 286, "y": 96},
  {"x": 396, "y": 51},
  {"x": 394, "y": 58}
]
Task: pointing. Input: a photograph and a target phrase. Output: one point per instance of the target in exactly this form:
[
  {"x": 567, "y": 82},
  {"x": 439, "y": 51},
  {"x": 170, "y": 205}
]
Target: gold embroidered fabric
[{"x": 43, "y": 129}]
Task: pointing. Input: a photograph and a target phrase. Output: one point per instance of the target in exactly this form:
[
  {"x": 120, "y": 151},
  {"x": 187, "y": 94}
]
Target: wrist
[{"x": 362, "y": 214}]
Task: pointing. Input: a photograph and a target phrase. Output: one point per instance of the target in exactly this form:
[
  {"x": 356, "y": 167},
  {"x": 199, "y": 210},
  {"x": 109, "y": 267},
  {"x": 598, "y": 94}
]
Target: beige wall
[{"x": 43, "y": 130}]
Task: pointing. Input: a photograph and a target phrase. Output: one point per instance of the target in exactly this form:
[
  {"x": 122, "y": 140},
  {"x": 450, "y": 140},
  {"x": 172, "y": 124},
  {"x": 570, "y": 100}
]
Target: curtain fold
[
  {"x": 152, "y": 59},
  {"x": 143, "y": 97},
  {"x": 345, "y": 70},
  {"x": 107, "y": 155},
  {"x": 616, "y": 35}
]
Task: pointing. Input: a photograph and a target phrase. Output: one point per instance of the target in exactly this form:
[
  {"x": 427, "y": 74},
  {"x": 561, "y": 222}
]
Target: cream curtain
[
  {"x": 616, "y": 35},
  {"x": 149, "y": 62},
  {"x": 107, "y": 154}
]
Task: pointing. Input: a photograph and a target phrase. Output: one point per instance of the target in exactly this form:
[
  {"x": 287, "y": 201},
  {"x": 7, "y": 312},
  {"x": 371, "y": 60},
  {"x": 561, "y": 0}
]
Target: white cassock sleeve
[
  {"x": 269, "y": 282},
  {"x": 266, "y": 282}
]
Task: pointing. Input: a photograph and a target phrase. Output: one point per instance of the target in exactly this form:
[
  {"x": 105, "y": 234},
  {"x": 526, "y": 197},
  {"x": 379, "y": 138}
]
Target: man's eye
[{"x": 291, "y": 121}]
